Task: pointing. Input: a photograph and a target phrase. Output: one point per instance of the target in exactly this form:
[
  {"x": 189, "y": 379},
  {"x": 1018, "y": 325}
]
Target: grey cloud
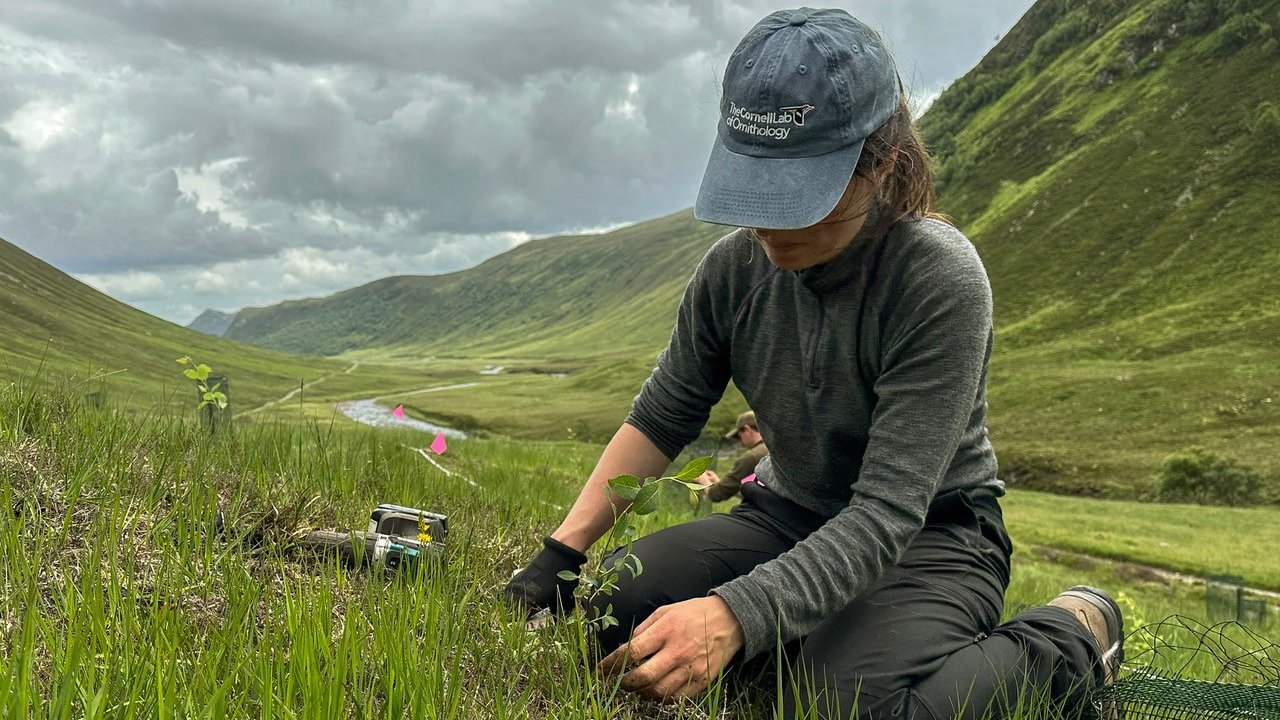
[
  {"x": 482, "y": 42},
  {"x": 382, "y": 126}
]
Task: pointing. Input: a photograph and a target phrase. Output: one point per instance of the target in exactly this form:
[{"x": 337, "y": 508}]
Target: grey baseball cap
[{"x": 801, "y": 93}]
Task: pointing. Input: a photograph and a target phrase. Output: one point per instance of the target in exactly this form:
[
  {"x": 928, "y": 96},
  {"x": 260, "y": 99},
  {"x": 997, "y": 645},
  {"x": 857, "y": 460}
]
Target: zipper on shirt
[{"x": 817, "y": 340}]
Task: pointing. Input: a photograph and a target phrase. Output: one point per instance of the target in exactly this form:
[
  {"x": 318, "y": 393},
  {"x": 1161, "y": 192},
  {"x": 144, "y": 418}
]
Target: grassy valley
[
  {"x": 575, "y": 323},
  {"x": 1113, "y": 162}
]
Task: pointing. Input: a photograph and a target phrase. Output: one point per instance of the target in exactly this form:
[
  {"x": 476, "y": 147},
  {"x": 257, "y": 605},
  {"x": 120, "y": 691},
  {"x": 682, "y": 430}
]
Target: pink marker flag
[
  {"x": 749, "y": 478},
  {"x": 399, "y": 411},
  {"x": 438, "y": 446}
]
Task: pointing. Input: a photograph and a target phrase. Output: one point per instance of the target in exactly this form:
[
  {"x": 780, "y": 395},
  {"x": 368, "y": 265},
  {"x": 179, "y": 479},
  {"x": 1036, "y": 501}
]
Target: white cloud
[
  {"x": 204, "y": 186},
  {"x": 208, "y": 281},
  {"x": 180, "y": 293},
  {"x": 38, "y": 123},
  {"x": 308, "y": 264},
  {"x": 130, "y": 285},
  {"x": 920, "y": 101}
]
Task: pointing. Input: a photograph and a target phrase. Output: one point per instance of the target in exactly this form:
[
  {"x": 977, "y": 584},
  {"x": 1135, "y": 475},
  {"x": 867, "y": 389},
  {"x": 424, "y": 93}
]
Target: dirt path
[
  {"x": 1139, "y": 570},
  {"x": 431, "y": 389},
  {"x": 293, "y": 393}
]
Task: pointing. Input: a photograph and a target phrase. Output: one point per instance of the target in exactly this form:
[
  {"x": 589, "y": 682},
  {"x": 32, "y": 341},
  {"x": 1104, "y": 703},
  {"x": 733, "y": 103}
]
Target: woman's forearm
[{"x": 592, "y": 514}]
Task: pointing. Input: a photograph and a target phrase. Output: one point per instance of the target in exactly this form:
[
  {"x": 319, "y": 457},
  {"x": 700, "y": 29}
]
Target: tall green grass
[{"x": 120, "y": 596}]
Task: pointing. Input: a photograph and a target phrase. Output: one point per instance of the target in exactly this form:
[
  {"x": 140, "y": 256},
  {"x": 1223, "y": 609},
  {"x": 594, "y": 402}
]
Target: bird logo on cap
[{"x": 798, "y": 112}]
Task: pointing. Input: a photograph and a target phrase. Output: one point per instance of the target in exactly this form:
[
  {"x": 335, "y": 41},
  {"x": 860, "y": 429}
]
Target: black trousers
[{"x": 923, "y": 642}]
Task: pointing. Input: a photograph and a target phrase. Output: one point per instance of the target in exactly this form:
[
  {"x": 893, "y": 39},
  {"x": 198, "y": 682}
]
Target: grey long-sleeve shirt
[{"x": 869, "y": 458}]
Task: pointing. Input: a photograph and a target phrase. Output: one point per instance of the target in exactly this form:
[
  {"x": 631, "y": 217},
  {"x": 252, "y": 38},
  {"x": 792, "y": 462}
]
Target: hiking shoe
[{"x": 1101, "y": 616}]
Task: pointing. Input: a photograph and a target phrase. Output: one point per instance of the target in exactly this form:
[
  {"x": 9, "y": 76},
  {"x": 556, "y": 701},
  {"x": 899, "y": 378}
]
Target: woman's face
[{"x": 806, "y": 247}]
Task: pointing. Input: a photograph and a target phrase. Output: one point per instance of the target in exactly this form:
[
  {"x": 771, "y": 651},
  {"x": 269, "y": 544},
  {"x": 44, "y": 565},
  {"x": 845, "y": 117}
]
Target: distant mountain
[
  {"x": 212, "y": 322},
  {"x": 1115, "y": 161},
  {"x": 69, "y": 333}
]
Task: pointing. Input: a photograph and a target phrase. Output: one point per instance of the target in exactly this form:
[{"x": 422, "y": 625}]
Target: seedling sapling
[
  {"x": 209, "y": 395},
  {"x": 640, "y": 498}
]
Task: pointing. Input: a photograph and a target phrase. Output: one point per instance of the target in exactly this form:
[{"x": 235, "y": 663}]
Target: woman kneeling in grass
[{"x": 871, "y": 551}]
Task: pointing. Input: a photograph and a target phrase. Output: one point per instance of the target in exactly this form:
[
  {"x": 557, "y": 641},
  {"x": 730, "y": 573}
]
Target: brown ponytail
[{"x": 896, "y": 153}]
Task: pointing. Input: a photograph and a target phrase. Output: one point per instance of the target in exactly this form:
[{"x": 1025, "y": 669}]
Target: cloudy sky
[{"x": 184, "y": 154}]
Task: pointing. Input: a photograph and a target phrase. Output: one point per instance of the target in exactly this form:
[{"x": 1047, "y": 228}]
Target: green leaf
[
  {"x": 567, "y": 575},
  {"x": 693, "y": 485},
  {"x": 184, "y": 360},
  {"x": 694, "y": 468},
  {"x": 625, "y": 486},
  {"x": 639, "y": 566},
  {"x": 646, "y": 500},
  {"x": 202, "y": 372},
  {"x": 623, "y": 524},
  {"x": 191, "y": 374}
]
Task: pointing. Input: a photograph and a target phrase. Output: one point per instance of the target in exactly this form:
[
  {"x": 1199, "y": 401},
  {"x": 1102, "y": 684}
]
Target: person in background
[{"x": 721, "y": 488}]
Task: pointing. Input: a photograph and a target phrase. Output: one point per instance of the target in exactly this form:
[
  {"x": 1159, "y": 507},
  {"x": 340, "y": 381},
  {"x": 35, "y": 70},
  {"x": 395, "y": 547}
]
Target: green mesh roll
[
  {"x": 1182, "y": 669},
  {"x": 1145, "y": 695}
]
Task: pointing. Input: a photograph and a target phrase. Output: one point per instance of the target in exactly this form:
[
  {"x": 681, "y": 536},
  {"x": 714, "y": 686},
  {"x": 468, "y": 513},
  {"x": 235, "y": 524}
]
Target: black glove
[{"x": 539, "y": 586}]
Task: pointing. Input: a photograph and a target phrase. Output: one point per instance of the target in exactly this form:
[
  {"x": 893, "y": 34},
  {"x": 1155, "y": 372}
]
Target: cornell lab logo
[{"x": 774, "y": 123}]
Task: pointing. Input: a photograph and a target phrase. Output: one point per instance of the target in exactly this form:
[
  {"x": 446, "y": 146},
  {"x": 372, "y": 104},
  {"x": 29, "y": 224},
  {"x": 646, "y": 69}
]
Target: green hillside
[
  {"x": 558, "y": 298},
  {"x": 1116, "y": 164},
  {"x": 1113, "y": 161},
  {"x": 63, "y": 331}
]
